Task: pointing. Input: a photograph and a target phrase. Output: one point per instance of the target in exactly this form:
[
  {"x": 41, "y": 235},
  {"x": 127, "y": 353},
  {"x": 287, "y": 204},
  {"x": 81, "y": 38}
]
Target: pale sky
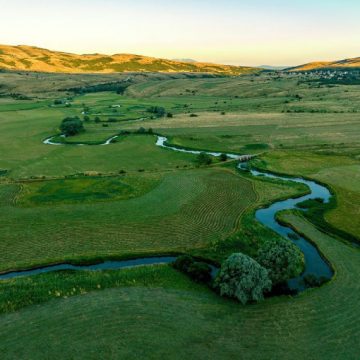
[{"x": 243, "y": 32}]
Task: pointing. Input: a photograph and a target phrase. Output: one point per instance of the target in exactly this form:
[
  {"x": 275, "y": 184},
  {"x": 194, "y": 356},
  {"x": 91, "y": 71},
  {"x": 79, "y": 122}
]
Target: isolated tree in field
[
  {"x": 282, "y": 259},
  {"x": 71, "y": 126},
  {"x": 203, "y": 159},
  {"x": 97, "y": 120},
  {"x": 242, "y": 278}
]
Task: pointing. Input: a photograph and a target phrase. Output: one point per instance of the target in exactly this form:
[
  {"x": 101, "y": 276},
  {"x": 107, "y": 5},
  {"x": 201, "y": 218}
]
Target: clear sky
[{"x": 247, "y": 32}]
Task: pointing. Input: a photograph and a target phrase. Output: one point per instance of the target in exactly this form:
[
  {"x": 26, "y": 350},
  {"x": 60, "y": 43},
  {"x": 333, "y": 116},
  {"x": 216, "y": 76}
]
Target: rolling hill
[
  {"x": 29, "y": 58},
  {"x": 341, "y": 64}
]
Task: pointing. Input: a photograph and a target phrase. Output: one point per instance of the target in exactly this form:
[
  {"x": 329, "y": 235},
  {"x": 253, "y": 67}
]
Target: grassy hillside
[
  {"x": 29, "y": 58},
  {"x": 340, "y": 64}
]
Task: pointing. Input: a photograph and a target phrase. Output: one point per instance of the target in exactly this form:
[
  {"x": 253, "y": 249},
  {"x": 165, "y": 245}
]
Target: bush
[
  {"x": 242, "y": 278},
  {"x": 194, "y": 115},
  {"x": 183, "y": 262},
  {"x": 97, "y": 120},
  {"x": 203, "y": 159},
  {"x": 125, "y": 132},
  {"x": 141, "y": 130},
  {"x": 223, "y": 157},
  {"x": 157, "y": 110},
  {"x": 198, "y": 271},
  {"x": 282, "y": 259},
  {"x": 170, "y": 115},
  {"x": 312, "y": 280},
  {"x": 86, "y": 118},
  {"x": 71, "y": 126}
]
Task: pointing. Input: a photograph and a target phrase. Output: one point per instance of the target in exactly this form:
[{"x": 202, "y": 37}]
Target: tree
[
  {"x": 71, "y": 126},
  {"x": 97, "y": 120},
  {"x": 86, "y": 118},
  {"x": 203, "y": 159},
  {"x": 282, "y": 259},
  {"x": 242, "y": 278}
]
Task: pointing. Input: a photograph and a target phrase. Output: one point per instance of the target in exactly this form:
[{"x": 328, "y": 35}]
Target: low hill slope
[
  {"x": 341, "y": 64},
  {"x": 28, "y": 58}
]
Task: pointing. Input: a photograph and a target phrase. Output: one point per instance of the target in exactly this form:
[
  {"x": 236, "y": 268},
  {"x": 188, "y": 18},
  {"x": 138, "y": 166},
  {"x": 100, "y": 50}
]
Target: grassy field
[
  {"x": 132, "y": 198},
  {"x": 189, "y": 320},
  {"x": 341, "y": 173},
  {"x": 187, "y": 210}
]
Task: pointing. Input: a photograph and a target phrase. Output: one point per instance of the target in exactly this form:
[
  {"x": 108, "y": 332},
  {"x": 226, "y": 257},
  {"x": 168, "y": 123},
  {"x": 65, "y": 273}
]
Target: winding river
[{"x": 315, "y": 264}]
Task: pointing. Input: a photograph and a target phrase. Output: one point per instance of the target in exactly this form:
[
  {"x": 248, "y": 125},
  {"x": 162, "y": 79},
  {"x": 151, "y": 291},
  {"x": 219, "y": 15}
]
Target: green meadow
[{"x": 131, "y": 198}]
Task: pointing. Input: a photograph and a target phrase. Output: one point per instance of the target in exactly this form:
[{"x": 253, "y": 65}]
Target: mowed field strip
[{"x": 187, "y": 210}]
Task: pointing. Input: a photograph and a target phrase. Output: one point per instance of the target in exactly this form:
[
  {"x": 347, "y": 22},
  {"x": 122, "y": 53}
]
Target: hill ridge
[
  {"x": 32, "y": 58},
  {"x": 349, "y": 63}
]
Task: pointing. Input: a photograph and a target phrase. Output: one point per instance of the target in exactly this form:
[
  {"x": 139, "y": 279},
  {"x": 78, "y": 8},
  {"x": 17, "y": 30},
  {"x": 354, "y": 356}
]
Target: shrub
[
  {"x": 203, "y": 159},
  {"x": 125, "y": 132},
  {"x": 223, "y": 157},
  {"x": 141, "y": 130},
  {"x": 194, "y": 115},
  {"x": 71, "y": 126},
  {"x": 169, "y": 115},
  {"x": 183, "y": 262},
  {"x": 242, "y": 278},
  {"x": 282, "y": 259},
  {"x": 157, "y": 110},
  {"x": 86, "y": 118},
  {"x": 312, "y": 280},
  {"x": 198, "y": 271},
  {"x": 97, "y": 120}
]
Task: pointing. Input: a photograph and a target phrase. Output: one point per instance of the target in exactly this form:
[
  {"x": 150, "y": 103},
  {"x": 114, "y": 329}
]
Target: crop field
[{"x": 81, "y": 201}]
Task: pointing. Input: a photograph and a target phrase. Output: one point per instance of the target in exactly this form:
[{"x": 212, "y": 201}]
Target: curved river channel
[{"x": 314, "y": 263}]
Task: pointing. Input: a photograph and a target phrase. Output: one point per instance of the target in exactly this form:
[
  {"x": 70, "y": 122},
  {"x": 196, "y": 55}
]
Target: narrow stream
[{"x": 314, "y": 263}]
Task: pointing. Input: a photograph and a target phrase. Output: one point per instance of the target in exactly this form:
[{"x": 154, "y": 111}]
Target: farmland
[{"x": 131, "y": 198}]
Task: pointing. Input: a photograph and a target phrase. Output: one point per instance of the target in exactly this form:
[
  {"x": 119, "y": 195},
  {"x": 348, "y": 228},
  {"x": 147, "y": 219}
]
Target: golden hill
[
  {"x": 342, "y": 64},
  {"x": 29, "y": 58}
]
